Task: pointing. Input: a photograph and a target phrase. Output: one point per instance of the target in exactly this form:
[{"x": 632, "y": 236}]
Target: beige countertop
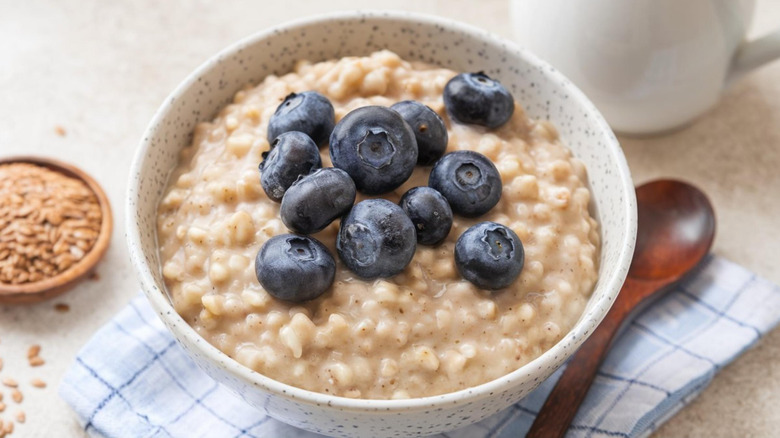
[{"x": 99, "y": 69}]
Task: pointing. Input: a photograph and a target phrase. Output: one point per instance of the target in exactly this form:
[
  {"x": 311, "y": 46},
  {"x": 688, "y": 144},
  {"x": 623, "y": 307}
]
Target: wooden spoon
[{"x": 675, "y": 232}]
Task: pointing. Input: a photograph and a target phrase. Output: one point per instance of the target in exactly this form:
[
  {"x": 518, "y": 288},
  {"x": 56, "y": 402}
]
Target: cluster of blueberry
[{"x": 374, "y": 149}]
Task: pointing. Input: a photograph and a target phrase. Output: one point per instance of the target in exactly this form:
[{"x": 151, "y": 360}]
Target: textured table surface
[{"x": 100, "y": 69}]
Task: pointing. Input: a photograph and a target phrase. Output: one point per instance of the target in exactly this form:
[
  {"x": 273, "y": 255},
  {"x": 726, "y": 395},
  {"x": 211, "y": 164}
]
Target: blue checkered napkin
[{"x": 133, "y": 380}]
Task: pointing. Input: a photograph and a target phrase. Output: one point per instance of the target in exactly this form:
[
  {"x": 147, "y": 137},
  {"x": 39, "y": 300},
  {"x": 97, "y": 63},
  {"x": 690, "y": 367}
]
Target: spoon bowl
[{"x": 675, "y": 231}]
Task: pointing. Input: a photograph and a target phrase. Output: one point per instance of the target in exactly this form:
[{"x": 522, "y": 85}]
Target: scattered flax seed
[
  {"x": 94, "y": 276},
  {"x": 32, "y": 356},
  {"x": 8, "y": 429},
  {"x": 38, "y": 383},
  {"x": 9, "y": 382},
  {"x": 2, "y": 406},
  {"x": 1, "y": 364},
  {"x": 60, "y": 130},
  {"x": 33, "y": 351},
  {"x": 61, "y": 307},
  {"x": 1, "y": 396},
  {"x": 20, "y": 417},
  {"x": 17, "y": 395}
]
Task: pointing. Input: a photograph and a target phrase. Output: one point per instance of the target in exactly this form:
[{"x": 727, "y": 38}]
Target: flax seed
[
  {"x": 61, "y": 307},
  {"x": 33, "y": 351},
  {"x": 20, "y": 417},
  {"x": 9, "y": 382},
  {"x": 17, "y": 396},
  {"x": 36, "y": 361},
  {"x": 38, "y": 383}
]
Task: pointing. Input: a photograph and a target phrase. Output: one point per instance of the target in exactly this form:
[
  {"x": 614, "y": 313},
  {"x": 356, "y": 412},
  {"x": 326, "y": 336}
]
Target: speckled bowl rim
[{"x": 573, "y": 338}]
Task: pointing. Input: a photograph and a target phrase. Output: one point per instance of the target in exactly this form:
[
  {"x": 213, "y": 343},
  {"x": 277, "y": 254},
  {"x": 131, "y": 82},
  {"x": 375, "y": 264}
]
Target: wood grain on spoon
[{"x": 675, "y": 232}]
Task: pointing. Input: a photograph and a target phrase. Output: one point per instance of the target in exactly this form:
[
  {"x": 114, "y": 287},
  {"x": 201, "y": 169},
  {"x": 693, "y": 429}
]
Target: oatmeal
[{"x": 423, "y": 332}]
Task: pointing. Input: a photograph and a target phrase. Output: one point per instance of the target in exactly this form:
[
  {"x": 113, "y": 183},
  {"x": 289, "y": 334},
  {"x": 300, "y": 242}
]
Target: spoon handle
[{"x": 565, "y": 399}]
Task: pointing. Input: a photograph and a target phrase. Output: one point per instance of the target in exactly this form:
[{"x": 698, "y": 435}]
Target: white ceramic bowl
[{"x": 539, "y": 88}]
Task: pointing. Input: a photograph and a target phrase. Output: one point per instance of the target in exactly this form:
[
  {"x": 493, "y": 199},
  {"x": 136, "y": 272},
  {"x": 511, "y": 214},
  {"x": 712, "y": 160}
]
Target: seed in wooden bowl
[{"x": 48, "y": 222}]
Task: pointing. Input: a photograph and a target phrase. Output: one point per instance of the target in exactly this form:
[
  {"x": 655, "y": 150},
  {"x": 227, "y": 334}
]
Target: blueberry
[
  {"x": 475, "y": 98},
  {"x": 430, "y": 213},
  {"x": 376, "y": 239},
  {"x": 294, "y": 268},
  {"x": 309, "y": 112},
  {"x": 469, "y": 181},
  {"x": 428, "y": 128},
  {"x": 489, "y": 255},
  {"x": 292, "y": 154},
  {"x": 376, "y": 147},
  {"x": 315, "y": 200}
]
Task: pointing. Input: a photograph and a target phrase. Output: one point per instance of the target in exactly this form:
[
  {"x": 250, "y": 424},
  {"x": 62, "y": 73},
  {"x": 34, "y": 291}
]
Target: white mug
[{"x": 648, "y": 65}]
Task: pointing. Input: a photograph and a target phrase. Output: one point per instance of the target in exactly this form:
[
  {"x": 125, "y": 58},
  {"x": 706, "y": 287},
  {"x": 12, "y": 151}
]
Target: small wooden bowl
[{"x": 28, "y": 293}]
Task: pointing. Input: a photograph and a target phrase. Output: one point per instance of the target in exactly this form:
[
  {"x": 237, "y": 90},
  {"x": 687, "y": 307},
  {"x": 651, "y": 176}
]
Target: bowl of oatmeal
[{"x": 420, "y": 351}]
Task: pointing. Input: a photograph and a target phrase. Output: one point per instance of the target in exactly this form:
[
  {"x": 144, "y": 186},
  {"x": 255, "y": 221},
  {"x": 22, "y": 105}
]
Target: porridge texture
[{"x": 423, "y": 332}]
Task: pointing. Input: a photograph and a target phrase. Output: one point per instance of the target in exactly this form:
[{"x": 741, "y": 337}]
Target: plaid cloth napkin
[{"x": 133, "y": 380}]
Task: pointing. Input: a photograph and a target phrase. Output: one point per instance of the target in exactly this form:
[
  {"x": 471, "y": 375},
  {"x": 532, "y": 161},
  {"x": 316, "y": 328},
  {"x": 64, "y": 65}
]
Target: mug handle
[{"x": 753, "y": 54}]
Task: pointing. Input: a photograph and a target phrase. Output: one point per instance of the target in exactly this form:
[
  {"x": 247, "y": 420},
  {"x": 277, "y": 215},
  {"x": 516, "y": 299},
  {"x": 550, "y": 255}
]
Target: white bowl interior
[{"x": 541, "y": 90}]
